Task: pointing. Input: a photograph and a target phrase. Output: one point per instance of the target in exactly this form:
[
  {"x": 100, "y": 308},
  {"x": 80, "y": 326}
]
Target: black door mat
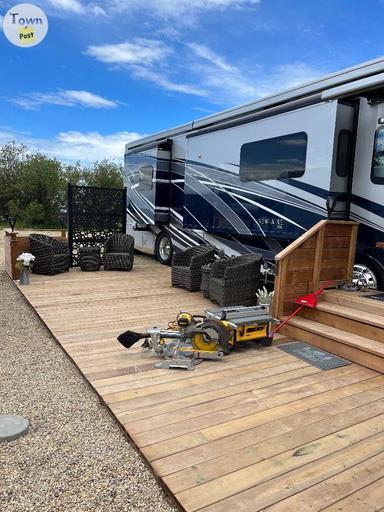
[
  {"x": 314, "y": 356},
  {"x": 375, "y": 296}
]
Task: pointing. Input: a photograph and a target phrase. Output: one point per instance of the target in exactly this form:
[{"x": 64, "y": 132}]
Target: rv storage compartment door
[{"x": 147, "y": 178}]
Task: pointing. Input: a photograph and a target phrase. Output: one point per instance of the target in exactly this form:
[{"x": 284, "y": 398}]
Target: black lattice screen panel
[{"x": 94, "y": 214}]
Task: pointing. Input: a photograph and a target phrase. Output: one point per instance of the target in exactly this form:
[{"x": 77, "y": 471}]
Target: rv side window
[
  {"x": 377, "y": 172},
  {"x": 145, "y": 178},
  {"x": 343, "y": 153},
  {"x": 273, "y": 159}
]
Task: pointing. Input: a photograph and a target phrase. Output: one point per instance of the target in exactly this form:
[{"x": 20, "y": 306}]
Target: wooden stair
[{"x": 346, "y": 324}]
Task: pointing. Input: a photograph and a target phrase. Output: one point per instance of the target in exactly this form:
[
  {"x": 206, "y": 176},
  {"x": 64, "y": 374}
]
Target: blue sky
[{"x": 111, "y": 71}]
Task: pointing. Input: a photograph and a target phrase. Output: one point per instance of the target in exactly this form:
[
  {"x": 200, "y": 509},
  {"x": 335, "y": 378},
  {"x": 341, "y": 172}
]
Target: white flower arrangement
[
  {"x": 25, "y": 260},
  {"x": 264, "y": 296}
]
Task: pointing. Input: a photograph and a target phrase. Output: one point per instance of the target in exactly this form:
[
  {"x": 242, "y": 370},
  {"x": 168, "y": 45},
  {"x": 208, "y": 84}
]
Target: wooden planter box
[{"x": 14, "y": 245}]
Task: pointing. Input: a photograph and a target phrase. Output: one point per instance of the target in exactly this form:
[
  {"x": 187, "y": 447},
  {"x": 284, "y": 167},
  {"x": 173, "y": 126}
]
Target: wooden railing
[{"x": 326, "y": 252}]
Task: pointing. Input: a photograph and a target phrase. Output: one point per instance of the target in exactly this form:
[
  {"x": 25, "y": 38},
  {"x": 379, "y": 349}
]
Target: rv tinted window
[
  {"x": 145, "y": 178},
  {"x": 272, "y": 159},
  {"x": 377, "y": 173},
  {"x": 343, "y": 151}
]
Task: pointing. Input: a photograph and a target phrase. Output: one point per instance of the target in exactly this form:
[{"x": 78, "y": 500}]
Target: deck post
[
  {"x": 14, "y": 245},
  {"x": 319, "y": 244}
]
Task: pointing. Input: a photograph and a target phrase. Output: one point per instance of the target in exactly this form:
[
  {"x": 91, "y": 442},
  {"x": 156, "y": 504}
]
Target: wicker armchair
[
  {"x": 119, "y": 252},
  {"x": 186, "y": 266},
  {"x": 205, "y": 279},
  {"x": 52, "y": 256},
  {"x": 234, "y": 282}
]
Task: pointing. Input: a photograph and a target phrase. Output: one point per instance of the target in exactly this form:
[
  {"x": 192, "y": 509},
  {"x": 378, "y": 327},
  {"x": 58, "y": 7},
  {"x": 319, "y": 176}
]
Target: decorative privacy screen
[{"x": 94, "y": 214}]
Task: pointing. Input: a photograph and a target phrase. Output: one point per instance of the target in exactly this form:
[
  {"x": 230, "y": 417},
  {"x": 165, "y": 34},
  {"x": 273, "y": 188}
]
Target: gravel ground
[{"x": 75, "y": 457}]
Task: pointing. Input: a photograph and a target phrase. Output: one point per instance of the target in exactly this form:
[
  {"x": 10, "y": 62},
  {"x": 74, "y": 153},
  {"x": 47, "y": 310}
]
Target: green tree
[
  {"x": 13, "y": 207},
  {"x": 105, "y": 174},
  {"x": 34, "y": 186},
  {"x": 41, "y": 189},
  {"x": 73, "y": 173},
  {"x": 34, "y": 214},
  {"x": 12, "y": 158}
]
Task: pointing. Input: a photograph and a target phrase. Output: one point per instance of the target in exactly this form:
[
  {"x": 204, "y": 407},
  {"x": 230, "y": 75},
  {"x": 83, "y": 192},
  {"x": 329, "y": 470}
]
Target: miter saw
[
  {"x": 192, "y": 338},
  {"x": 185, "y": 343}
]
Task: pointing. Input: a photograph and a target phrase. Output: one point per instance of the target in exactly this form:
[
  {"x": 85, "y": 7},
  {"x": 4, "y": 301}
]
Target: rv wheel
[
  {"x": 164, "y": 249},
  {"x": 368, "y": 275}
]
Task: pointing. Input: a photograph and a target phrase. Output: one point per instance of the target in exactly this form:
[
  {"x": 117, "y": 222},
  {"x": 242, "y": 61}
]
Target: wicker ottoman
[{"x": 89, "y": 258}]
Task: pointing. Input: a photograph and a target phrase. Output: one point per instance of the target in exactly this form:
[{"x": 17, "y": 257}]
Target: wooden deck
[{"x": 259, "y": 430}]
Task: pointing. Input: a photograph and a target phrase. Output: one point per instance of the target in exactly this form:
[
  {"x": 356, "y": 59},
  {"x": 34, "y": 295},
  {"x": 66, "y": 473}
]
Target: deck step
[
  {"x": 347, "y": 319},
  {"x": 351, "y": 346},
  {"x": 354, "y": 300}
]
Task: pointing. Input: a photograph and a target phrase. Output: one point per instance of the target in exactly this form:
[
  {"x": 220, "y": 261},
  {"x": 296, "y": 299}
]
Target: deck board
[{"x": 259, "y": 430}]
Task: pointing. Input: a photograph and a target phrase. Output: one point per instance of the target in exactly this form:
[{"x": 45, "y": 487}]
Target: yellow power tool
[{"x": 191, "y": 338}]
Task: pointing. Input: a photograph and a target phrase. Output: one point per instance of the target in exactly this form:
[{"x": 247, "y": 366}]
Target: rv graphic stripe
[{"x": 270, "y": 211}]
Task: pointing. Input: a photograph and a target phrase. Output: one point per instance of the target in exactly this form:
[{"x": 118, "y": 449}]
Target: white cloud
[
  {"x": 157, "y": 8},
  {"x": 77, "y": 7},
  {"x": 185, "y": 11},
  {"x": 68, "y": 5},
  {"x": 229, "y": 84},
  {"x": 286, "y": 76},
  {"x": 67, "y": 98},
  {"x": 228, "y": 88},
  {"x": 204, "y": 110},
  {"x": 198, "y": 70},
  {"x": 226, "y": 84},
  {"x": 144, "y": 59},
  {"x": 97, "y": 10},
  {"x": 205, "y": 53},
  {"x": 140, "y": 51},
  {"x": 75, "y": 145},
  {"x": 244, "y": 85},
  {"x": 178, "y": 8},
  {"x": 164, "y": 82}
]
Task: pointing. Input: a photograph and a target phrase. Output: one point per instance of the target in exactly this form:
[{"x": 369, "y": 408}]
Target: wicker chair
[
  {"x": 52, "y": 256},
  {"x": 119, "y": 252},
  {"x": 205, "y": 278},
  {"x": 186, "y": 266},
  {"x": 234, "y": 282}
]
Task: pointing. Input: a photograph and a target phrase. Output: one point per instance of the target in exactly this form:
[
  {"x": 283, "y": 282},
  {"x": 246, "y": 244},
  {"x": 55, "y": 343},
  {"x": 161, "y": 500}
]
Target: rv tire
[
  {"x": 164, "y": 248},
  {"x": 370, "y": 271}
]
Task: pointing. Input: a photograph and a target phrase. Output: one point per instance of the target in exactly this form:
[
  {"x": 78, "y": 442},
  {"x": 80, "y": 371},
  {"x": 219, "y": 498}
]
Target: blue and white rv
[{"x": 254, "y": 178}]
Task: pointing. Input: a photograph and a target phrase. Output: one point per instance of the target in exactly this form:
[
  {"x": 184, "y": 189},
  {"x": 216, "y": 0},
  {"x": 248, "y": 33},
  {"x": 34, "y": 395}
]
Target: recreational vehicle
[{"x": 256, "y": 177}]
